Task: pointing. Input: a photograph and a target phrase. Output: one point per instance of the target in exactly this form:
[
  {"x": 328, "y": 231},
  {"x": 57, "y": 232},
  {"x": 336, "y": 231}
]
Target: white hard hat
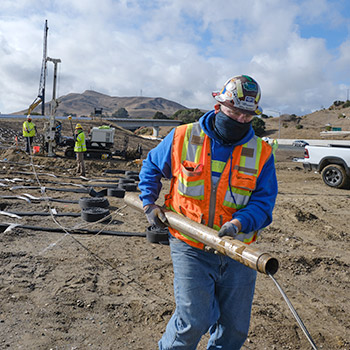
[{"x": 241, "y": 92}]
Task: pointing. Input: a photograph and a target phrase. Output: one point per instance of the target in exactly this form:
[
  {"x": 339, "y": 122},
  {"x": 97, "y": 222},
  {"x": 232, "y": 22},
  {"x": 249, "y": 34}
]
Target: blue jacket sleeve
[
  {"x": 155, "y": 166},
  {"x": 258, "y": 213}
]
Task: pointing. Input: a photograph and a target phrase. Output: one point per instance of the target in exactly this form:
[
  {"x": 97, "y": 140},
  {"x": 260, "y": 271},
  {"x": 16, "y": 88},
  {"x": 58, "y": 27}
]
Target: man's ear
[{"x": 217, "y": 108}]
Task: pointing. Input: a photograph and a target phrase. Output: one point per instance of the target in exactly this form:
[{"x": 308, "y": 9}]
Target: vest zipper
[
  {"x": 212, "y": 204},
  {"x": 212, "y": 201}
]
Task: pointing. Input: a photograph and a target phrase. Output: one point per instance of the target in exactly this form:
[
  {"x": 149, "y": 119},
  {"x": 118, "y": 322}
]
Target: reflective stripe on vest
[
  {"x": 191, "y": 152},
  {"x": 237, "y": 197},
  {"x": 193, "y": 143}
]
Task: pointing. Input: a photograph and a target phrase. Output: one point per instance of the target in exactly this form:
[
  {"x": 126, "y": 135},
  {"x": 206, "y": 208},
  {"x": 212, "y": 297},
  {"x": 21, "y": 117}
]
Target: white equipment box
[{"x": 102, "y": 135}]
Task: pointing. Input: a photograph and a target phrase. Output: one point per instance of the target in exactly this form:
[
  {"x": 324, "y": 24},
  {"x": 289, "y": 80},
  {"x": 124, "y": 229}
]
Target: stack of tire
[
  {"x": 94, "y": 208},
  {"x": 158, "y": 235},
  {"x": 125, "y": 184}
]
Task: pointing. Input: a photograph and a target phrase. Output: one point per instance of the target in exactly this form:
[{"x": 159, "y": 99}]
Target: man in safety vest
[
  {"x": 224, "y": 177},
  {"x": 29, "y": 130},
  {"x": 80, "y": 148}
]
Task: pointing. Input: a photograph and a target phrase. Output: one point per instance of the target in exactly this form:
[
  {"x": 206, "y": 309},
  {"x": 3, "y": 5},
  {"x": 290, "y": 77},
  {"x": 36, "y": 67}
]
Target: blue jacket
[{"x": 255, "y": 216}]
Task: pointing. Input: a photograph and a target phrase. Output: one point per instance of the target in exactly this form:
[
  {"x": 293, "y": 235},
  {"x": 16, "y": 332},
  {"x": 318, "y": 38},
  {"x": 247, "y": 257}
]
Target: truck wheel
[
  {"x": 69, "y": 153},
  {"x": 334, "y": 175}
]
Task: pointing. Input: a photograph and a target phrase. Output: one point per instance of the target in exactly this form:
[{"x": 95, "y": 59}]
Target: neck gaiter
[{"x": 228, "y": 129}]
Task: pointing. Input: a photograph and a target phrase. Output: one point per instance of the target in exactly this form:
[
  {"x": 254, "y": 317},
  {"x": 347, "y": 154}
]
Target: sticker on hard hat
[
  {"x": 250, "y": 86},
  {"x": 247, "y": 105}
]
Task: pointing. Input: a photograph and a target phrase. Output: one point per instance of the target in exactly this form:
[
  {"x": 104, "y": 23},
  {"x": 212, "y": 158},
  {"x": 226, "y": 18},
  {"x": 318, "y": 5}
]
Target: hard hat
[
  {"x": 78, "y": 126},
  {"x": 29, "y": 117},
  {"x": 241, "y": 92}
]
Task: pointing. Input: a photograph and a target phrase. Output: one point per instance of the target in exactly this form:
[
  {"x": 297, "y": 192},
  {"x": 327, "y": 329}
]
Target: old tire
[
  {"x": 116, "y": 192},
  {"x": 128, "y": 187},
  {"x": 102, "y": 193},
  {"x": 133, "y": 177},
  {"x": 94, "y": 214},
  {"x": 157, "y": 235},
  {"x": 131, "y": 172},
  {"x": 93, "y": 202},
  {"x": 114, "y": 171},
  {"x": 334, "y": 175},
  {"x": 126, "y": 181}
]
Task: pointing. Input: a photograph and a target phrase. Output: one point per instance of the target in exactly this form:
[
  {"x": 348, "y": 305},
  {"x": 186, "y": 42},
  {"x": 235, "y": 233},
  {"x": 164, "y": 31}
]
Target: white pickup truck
[{"x": 332, "y": 162}]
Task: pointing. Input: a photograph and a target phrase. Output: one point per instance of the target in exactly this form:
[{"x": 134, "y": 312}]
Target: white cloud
[{"x": 178, "y": 50}]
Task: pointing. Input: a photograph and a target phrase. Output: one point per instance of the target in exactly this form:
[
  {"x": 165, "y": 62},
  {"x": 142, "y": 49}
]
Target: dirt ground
[{"x": 99, "y": 291}]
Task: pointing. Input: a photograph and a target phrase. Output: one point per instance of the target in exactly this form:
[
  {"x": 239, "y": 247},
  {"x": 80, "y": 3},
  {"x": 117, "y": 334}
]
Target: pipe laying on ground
[
  {"x": 237, "y": 250},
  {"x": 4, "y": 226}
]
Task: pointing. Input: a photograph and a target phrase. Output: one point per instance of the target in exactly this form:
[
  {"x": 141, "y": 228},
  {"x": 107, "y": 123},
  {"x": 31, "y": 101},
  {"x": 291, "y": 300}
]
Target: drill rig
[{"x": 51, "y": 126}]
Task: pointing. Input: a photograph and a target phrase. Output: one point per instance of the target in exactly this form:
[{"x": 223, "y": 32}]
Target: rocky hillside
[
  {"x": 137, "y": 107},
  {"x": 310, "y": 125}
]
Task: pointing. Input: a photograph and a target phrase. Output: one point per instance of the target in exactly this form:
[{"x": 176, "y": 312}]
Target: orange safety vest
[{"x": 191, "y": 191}]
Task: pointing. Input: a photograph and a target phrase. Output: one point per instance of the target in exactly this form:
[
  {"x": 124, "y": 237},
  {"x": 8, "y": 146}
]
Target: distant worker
[
  {"x": 29, "y": 131},
  {"x": 274, "y": 147},
  {"x": 80, "y": 148}
]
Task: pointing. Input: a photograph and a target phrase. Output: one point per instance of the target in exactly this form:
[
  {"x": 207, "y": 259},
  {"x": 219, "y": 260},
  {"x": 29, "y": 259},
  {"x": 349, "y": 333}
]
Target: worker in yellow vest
[
  {"x": 29, "y": 131},
  {"x": 274, "y": 147},
  {"x": 80, "y": 149},
  {"x": 223, "y": 176}
]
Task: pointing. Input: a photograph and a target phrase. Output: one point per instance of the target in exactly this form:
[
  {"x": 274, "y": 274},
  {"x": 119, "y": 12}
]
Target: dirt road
[{"x": 97, "y": 291}]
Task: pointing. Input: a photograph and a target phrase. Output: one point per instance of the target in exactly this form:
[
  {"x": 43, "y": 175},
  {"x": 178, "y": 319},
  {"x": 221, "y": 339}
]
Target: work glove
[
  {"x": 228, "y": 229},
  {"x": 155, "y": 215}
]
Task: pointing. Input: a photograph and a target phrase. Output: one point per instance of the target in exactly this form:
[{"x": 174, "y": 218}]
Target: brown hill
[
  {"x": 137, "y": 107},
  {"x": 309, "y": 126},
  {"x": 286, "y": 126}
]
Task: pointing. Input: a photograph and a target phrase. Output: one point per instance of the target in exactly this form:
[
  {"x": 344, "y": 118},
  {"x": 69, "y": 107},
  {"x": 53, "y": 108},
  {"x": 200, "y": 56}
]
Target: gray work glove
[
  {"x": 228, "y": 229},
  {"x": 155, "y": 215}
]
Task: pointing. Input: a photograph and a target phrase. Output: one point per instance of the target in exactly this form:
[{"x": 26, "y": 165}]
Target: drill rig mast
[
  {"x": 41, "y": 94},
  {"x": 50, "y": 134}
]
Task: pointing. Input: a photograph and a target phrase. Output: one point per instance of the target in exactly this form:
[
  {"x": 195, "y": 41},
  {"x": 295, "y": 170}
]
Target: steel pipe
[{"x": 237, "y": 250}]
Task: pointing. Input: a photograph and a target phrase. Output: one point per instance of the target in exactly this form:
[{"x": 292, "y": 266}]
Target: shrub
[
  {"x": 259, "y": 126},
  {"x": 187, "y": 115},
  {"x": 144, "y": 131},
  {"x": 160, "y": 115},
  {"x": 121, "y": 113}
]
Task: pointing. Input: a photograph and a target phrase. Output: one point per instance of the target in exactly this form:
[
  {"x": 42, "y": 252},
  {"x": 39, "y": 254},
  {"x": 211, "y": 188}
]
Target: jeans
[
  {"x": 80, "y": 163},
  {"x": 213, "y": 293},
  {"x": 29, "y": 142}
]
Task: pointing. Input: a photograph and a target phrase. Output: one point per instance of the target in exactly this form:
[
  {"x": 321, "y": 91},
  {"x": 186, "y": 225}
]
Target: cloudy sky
[{"x": 181, "y": 50}]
